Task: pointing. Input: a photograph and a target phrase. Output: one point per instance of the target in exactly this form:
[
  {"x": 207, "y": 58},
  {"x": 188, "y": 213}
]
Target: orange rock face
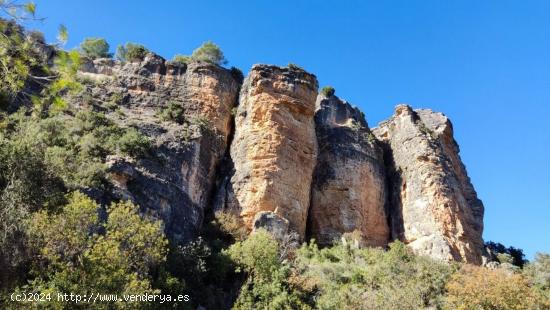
[
  {"x": 274, "y": 147},
  {"x": 435, "y": 209}
]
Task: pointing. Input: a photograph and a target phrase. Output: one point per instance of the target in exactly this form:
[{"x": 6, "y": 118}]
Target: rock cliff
[
  {"x": 349, "y": 184},
  {"x": 176, "y": 180},
  {"x": 434, "y": 208},
  {"x": 274, "y": 148},
  {"x": 291, "y": 163}
]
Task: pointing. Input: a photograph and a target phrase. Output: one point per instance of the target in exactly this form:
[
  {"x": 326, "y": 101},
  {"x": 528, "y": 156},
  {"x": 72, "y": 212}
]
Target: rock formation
[
  {"x": 434, "y": 208},
  {"x": 274, "y": 147},
  {"x": 175, "y": 182},
  {"x": 349, "y": 190},
  {"x": 291, "y": 167}
]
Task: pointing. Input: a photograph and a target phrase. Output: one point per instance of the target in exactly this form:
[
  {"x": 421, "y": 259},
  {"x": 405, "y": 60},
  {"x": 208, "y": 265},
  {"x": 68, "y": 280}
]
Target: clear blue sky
[{"x": 486, "y": 64}]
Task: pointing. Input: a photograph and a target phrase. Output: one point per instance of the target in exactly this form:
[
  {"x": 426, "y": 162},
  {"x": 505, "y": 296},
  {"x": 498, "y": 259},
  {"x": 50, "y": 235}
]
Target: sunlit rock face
[
  {"x": 434, "y": 207},
  {"x": 349, "y": 189},
  {"x": 274, "y": 148}
]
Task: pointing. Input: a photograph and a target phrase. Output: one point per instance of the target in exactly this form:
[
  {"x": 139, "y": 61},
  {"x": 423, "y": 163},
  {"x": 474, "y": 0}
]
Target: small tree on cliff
[
  {"x": 95, "y": 48},
  {"x": 131, "y": 52},
  {"x": 328, "y": 91},
  {"x": 210, "y": 53}
]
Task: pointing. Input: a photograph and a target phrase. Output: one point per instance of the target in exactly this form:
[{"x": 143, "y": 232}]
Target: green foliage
[
  {"x": 95, "y": 48},
  {"x": 328, "y": 91},
  {"x": 172, "y": 112},
  {"x": 537, "y": 273},
  {"x": 22, "y": 64},
  {"x": 350, "y": 277},
  {"x": 62, "y": 34},
  {"x": 231, "y": 225},
  {"x": 18, "y": 59},
  {"x": 18, "y": 10},
  {"x": 132, "y": 52},
  {"x": 480, "y": 288},
  {"x": 27, "y": 183},
  {"x": 79, "y": 253},
  {"x": 516, "y": 255},
  {"x": 72, "y": 148},
  {"x": 268, "y": 285},
  {"x": 209, "y": 52},
  {"x": 181, "y": 59},
  {"x": 133, "y": 143}
]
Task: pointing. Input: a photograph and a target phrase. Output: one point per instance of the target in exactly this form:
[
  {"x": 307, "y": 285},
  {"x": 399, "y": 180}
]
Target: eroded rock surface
[
  {"x": 175, "y": 180},
  {"x": 348, "y": 191},
  {"x": 434, "y": 207},
  {"x": 274, "y": 147}
]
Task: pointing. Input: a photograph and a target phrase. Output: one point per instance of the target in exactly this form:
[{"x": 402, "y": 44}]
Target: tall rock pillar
[
  {"x": 274, "y": 148},
  {"x": 435, "y": 209},
  {"x": 349, "y": 190}
]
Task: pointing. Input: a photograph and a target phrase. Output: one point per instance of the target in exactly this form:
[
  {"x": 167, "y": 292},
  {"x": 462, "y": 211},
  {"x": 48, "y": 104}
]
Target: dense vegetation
[{"x": 55, "y": 238}]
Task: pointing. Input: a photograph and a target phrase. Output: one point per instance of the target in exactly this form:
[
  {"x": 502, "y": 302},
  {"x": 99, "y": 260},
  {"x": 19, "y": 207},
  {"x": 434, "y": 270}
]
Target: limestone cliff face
[
  {"x": 294, "y": 164},
  {"x": 434, "y": 208},
  {"x": 274, "y": 148},
  {"x": 174, "y": 182},
  {"x": 349, "y": 190}
]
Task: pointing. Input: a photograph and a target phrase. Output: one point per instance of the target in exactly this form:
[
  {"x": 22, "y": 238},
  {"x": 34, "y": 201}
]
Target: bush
[
  {"x": 516, "y": 255},
  {"x": 181, "y": 59},
  {"x": 350, "y": 277},
  {"x": 231, "y": 225},
  {"x": 209, "y": 52},
  {"x": 480, "y": 288},
  {"x": 133, "y": 143},
  {"x": 131, "y": 52},
  {"x": 79, "y": 252},
  {"x": 328, "y": 91},
  {"x": 537, "y": 273},
  {"x": 172, "y": 112},
  {"x": 268, "y": 285},
  {"x": 95, "y": 48}
]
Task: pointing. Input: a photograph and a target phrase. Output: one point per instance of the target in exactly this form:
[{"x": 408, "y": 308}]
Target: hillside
[{"x": 140, "y": 175}]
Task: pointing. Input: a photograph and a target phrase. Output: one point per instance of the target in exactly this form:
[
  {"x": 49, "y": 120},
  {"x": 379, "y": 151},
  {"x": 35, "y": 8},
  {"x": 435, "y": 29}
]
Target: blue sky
[{"x": 486, "y": 64}]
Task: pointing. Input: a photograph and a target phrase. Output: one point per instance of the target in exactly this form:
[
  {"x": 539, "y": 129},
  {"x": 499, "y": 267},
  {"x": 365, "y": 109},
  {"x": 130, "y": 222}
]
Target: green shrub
[
  {"x": 172, "y": 112},
  {"x": 133, "y": 143},
  {"x": 350, "y": 277},
  {"x": 328, "y": 91},
  {"x": 209, "y": 52},
  {"x": 480, "y": 288},
  {"x": 518, "y": 258},
  {"x": 95, "y": 48},
  {"x": 268, "y": 285},
  {"x": 181, "y": 59},
  {"x": 537, "y": 273},
  {"x": 232, "y": 225},
  {"x": 131, "y": 52},
  {"x": 79, "y": 252}
]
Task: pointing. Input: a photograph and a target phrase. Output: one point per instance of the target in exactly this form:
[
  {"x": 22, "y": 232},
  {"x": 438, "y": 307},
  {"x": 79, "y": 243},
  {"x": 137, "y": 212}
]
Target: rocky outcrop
[
  {"x": 348, "y": 191},
  {"x": 274, "y": 147},
  {"x": 175, "y": 180},
  {"x": 287, "y": 159},
  {"x": 434, "y": 207}
]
